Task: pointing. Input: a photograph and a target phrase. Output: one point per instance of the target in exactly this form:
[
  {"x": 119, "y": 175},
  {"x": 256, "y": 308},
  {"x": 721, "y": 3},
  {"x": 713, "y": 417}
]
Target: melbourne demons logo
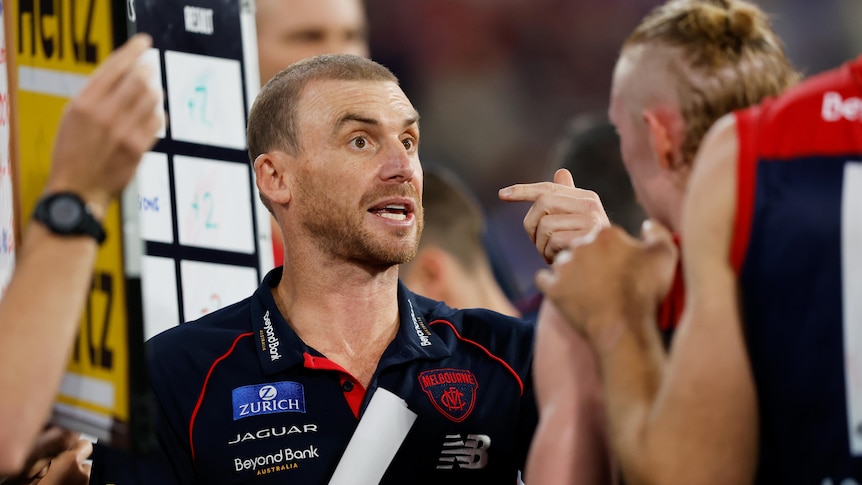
[{"x": 451, "y": 391}]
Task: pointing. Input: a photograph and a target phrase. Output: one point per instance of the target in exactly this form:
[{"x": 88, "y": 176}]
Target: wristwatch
[{"x": 66, "y": 214}]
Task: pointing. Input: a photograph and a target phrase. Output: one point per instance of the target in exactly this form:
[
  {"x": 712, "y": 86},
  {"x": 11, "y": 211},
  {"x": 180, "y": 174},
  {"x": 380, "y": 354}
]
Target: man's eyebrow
[{"x": 347, "y": 118}]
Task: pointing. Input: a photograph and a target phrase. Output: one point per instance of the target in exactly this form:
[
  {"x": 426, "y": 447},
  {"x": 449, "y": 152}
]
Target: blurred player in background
[{"x": 452, "y": 264}]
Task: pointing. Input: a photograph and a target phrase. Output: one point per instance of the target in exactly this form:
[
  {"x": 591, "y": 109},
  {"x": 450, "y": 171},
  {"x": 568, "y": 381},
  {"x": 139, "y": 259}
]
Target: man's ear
[
  {"x": 270, "y": 172},
  {"x": 427, "y": 273},
  {"x": 660, "y": 139}
]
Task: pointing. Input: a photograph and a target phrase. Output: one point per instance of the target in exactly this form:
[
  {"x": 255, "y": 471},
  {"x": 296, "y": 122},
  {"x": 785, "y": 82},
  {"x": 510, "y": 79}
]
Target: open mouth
[
  {"x": 396, "y": 212},
  {"x": 398, "y": 209}
]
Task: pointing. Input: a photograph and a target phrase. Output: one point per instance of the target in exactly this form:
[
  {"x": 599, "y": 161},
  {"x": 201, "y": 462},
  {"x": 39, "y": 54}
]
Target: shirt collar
[
  {"x": 279, "y": 348},
  {"x": 414, "y": 339}
]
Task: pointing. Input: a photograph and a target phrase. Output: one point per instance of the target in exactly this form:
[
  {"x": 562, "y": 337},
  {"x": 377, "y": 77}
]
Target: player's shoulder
[
  {"x": 807, "y": 97},
  {"x": 199, "y": 339},
  {"x": 485, "y": 327},
  {"x": 821, "y": 103}
]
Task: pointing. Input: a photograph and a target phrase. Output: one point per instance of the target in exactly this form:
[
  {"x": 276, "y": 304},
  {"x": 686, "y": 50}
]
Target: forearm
[
  {"x": 667, "y": 426},
  {"x": 632, "y": 362},
  {"x": 39, "y": 317},
  {"x": 571, "y": 443},
  {"x": 570, "y": 447}
]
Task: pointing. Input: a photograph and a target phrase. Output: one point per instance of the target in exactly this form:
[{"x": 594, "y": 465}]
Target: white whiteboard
[
  {"x": 210, "y": 286},
  {"x": 159, "y": 290},
  {"x": 204, "y": 232},
  {"x": 205, "y": 99},
  {"x": 154, "y": 198},
  {"x": 214, "y": 204}
]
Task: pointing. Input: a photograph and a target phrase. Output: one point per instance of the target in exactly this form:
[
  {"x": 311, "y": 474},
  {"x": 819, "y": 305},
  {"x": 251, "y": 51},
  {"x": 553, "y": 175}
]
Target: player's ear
[
  {"x": 426, "y": 274},
  {"x": 659, "y": 135},
  {"x": 271, "y": 176}
]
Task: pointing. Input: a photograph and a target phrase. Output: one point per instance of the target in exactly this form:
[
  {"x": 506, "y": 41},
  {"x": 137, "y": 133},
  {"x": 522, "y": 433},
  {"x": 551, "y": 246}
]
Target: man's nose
[{"x": 398, "y": 165}]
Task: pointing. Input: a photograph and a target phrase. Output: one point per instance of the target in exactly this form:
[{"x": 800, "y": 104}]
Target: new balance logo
[{"x": 471, "y": 453}]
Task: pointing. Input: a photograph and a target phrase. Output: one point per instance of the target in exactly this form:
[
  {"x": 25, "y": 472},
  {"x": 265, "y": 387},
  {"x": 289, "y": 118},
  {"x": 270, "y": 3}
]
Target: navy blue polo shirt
[{"x": 244, "y": 400}]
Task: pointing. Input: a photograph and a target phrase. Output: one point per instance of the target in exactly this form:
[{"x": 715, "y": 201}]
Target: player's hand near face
[
  {"x": 560, "y": 212},
  {"x": 608, "y": 277}
]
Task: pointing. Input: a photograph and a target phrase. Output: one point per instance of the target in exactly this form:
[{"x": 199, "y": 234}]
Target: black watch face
[{"x": 65, "y": 213}]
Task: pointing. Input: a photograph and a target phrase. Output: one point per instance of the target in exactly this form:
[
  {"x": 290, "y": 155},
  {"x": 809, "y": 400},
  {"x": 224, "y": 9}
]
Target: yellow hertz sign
[{"x": 58, "y": 43}]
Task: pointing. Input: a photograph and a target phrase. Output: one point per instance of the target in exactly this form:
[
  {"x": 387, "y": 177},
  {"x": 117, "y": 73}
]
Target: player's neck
[
  {"x": 674, "y": 220},
  {"x": 668, "y": 209},
  {"x": 338, "y": 292},
  {"x": 493, "y": 298},
  {"x": 347, "y": 313},
  {"x": 480, "y": 290}
]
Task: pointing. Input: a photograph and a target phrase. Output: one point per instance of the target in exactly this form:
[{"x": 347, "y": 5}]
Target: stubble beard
[{"x": 341, "y": 231}]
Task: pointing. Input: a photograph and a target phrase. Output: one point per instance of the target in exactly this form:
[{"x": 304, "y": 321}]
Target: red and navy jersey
[
  {"x": 244, "y": 400},
  {"x": 797, "y": 247}
]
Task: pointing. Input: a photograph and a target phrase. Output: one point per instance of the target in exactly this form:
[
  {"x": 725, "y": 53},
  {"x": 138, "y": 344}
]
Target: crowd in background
[{"x": 497, "y": 82}]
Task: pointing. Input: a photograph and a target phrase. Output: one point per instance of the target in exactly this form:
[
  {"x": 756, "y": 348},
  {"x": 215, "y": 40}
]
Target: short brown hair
[
  {"x": 731, "y": 59},
  {"x": 454, "y": 220},
  {"x": 272, "y": 121}
]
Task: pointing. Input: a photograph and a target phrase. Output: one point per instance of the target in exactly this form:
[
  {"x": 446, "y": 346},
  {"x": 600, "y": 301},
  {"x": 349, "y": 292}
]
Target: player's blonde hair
[{"x": 731, "y": 58}]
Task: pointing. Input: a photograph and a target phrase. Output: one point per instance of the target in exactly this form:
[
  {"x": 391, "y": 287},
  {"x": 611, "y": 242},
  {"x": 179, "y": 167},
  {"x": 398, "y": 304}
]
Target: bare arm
[
  {"x": 689, "y": 418},
  {"x": 560, "y": 212},
  {"x": 708, "y": 389},
  {"x": 103, "y": 134},
  {"x": 571, "y": 443}
]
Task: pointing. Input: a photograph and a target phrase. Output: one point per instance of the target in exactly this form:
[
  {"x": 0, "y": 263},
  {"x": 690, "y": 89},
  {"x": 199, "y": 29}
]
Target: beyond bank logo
[
  {"x": 272, "y": 398},
  {"x": 835, "y": 107},
  {"x": 269, "y": 340}
]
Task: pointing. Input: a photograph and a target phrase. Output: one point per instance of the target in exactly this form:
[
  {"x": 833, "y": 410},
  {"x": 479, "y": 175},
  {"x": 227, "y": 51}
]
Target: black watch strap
[{"x": 66, "y": 214}]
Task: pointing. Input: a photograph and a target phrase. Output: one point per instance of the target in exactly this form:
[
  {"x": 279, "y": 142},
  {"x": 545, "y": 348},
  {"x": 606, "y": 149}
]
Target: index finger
[
  {"x": 117, "y": 64},
  {"x": 525, "y": 192}
]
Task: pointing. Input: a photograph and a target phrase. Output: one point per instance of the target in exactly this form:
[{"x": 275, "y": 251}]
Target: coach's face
[{"x": 357, "y": 181}]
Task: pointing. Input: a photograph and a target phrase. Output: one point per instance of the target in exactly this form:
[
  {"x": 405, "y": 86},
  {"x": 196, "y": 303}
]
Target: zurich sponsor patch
[
  {"x": 451, "y": 391},
  {"x": 272, "y": 398}
]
